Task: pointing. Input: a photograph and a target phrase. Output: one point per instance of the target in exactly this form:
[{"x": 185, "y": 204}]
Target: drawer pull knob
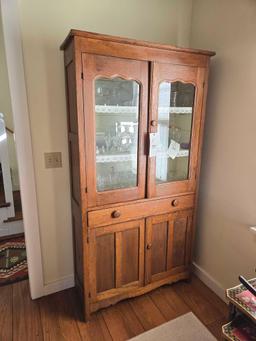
[
  {"x": 153, "y": 123},
  {"x": 149, "y": 246},
  {"x": 175, "y": 202},
  {"x": 116, "y": 214}
]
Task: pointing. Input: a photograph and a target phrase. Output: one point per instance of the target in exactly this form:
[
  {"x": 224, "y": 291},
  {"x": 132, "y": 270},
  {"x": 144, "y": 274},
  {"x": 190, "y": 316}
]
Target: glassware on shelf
[
  {"x": 117, "y": 117},
  {"x": 174, "y": 128}
]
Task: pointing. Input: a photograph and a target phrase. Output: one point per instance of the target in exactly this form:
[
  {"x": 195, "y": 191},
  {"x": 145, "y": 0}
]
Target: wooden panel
[
  {"x": 71, "y": 97},
  {"x": 159, "y": 247},
  {"x": 179, "y": 242},
  {"x": 130, "y": 256},
  {"x": 96, "y": 46},
  {"x": 78, "y": 248},
  {"x": 74, "y": 168},
  {"x": 105, "y": 262},
  {"x": 138, "y": 210}
]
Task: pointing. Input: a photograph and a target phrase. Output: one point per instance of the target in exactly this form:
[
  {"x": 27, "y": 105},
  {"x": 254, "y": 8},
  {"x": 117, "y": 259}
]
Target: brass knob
[
  {"x": 175, "y": 202},
  {"x": 116, "y": 214},
  {"x": 149, "y": 246},
  {"x": 153, "y": 123}
]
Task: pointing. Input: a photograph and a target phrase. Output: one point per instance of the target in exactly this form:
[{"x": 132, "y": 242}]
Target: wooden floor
[{"x": 57, "y": 317}]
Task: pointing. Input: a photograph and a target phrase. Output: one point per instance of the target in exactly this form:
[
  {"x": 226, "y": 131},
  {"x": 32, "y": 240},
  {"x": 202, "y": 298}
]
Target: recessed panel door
[
  {"x": 168, "y": 244},
  {"x": 116, "y": 260}
]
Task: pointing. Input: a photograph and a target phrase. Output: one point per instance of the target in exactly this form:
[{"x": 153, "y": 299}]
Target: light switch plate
[{"x": 53, "y": 160}]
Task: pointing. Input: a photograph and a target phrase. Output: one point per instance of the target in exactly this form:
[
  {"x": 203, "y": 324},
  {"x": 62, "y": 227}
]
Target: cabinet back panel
[
  {"x": 105, "y": 264},
  {"x": 130, "y": 256},
  {"x": 159, "y": 247}
]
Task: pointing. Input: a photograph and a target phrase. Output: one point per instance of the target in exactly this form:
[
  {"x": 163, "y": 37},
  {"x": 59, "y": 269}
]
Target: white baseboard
[
  {"x": 59, "y": 285},
  {"x": 208, "y": 280}
]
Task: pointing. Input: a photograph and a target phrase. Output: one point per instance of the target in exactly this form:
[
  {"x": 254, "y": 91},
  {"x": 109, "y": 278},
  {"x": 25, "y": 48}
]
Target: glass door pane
[
  {"x": 175, "y": 113},
  {"x": 117, "y": 118}
]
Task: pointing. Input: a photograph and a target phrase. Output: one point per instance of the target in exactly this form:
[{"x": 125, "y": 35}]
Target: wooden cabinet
[{"x": 135, "y": 125}]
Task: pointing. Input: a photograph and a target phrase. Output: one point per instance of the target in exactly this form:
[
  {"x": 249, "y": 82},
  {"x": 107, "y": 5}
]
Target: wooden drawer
[{"x": 138, "y": 210}]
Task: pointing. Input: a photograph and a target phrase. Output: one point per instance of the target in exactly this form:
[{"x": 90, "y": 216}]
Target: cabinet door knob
[
  {"x": 149, "y": 246},
  {"x": 175, "y": 202},
  {"x": 154, "y": 123},
  {"x": 115, "y": 214}
]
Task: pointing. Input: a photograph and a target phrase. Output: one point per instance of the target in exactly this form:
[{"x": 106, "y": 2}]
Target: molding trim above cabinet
[{"x": 128, "y": 204}]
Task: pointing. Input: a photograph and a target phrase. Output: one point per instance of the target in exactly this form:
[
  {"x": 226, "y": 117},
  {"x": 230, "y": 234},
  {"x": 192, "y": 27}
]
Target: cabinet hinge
[
  {"x": 86, "y": 190},
  {"x": 89, "y": 295},
  {"x": 82, "y": 75}
]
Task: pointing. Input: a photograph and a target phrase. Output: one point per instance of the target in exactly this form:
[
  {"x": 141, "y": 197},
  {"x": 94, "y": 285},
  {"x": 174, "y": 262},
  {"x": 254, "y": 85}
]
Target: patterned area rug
[{"x": 13, "y": 261}]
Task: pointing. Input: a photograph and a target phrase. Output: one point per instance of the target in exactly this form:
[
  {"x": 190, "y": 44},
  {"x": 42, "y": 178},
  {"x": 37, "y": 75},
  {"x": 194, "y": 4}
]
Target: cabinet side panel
[
  {"x": 71, "y": 95},
  {"x": 74, "y": 170}
]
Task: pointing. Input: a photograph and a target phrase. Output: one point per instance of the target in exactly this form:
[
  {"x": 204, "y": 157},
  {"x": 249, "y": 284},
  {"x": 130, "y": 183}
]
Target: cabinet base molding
[{"x": 139, "y": 291}]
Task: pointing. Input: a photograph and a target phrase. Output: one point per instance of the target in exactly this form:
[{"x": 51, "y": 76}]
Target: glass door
[
  {"x": 175, "y": 113},
  {"x": 115, "y": 97}
]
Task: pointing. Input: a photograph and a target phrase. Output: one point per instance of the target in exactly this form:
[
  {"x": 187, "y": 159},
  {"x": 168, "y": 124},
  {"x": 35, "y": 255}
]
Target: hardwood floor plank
[
  {"x": 95, "y": 329},
  {"x": 169, "y": 303},
  {"x": 215, "y": 327},
  {"x": 217, "y": 302},
  {"x": 117, "y": 326},
  {"x": 26, "y": 314},
  {"x": 197, "y": 302},
  {"x": 6, "y": 331},
  {"x": 130, "y": 318},
  {"x": 147, "y": 312},
  {"x": 58, "y": 318}
]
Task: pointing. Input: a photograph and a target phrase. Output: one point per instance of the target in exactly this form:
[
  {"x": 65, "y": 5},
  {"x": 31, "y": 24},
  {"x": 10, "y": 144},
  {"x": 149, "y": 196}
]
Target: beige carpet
[{"x": 184, "y": 328}]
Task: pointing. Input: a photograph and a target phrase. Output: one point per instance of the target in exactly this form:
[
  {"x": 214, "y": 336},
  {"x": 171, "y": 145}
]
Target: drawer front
[{"x": 138, "y": 210}]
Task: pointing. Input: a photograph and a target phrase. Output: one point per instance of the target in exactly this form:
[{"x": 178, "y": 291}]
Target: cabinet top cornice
[{"x": 129, "y": 41}]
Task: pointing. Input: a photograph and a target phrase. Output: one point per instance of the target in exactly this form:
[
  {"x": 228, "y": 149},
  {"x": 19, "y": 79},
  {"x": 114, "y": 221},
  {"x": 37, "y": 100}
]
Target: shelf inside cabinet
[
  {"x": 163, "y": 111},
  {"x": 103, "y": 158}
]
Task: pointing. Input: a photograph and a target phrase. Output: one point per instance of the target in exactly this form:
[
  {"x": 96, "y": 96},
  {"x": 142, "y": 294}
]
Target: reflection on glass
[
  {"x": 117, "y": 116},
  {"x": 175, "y": 111}
]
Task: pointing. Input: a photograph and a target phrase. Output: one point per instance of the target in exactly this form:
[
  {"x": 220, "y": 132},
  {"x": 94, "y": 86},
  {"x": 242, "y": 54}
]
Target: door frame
[{"x": 17, "y": 85}]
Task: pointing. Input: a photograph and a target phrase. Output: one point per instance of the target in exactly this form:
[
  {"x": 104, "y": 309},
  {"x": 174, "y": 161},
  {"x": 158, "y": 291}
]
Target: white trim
[
  {"x": 14, "y": 57},
  {"x": 14, "y": 227},
  {"x": 61, "y": 284},
  {"x": 208, "y": 280}
]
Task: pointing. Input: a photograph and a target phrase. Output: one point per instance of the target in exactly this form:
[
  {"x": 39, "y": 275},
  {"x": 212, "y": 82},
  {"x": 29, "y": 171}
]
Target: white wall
[
  {"x": 225, "y": 248},
  {"x": 44, "y": 25}
]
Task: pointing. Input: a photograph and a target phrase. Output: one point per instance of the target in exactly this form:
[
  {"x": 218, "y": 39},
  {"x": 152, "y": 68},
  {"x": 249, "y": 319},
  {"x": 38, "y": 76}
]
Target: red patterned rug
[{"x": 13, "y": 261}]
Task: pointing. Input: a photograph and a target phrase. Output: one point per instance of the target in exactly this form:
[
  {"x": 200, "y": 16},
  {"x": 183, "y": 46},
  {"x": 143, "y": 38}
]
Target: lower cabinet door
[
  {"x": 116, "y": 260},
  {"x": 168, "y": 245}
]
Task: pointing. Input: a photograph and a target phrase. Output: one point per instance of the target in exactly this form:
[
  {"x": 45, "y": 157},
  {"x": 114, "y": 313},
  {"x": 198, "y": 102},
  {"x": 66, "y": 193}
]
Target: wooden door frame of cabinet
[
  {"x": 126, "y": 69},
  {"x": 192, "y": 75}
]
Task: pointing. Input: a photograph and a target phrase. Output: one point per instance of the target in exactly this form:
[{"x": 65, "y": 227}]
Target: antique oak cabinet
[{"x": 135, "y": 127}]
